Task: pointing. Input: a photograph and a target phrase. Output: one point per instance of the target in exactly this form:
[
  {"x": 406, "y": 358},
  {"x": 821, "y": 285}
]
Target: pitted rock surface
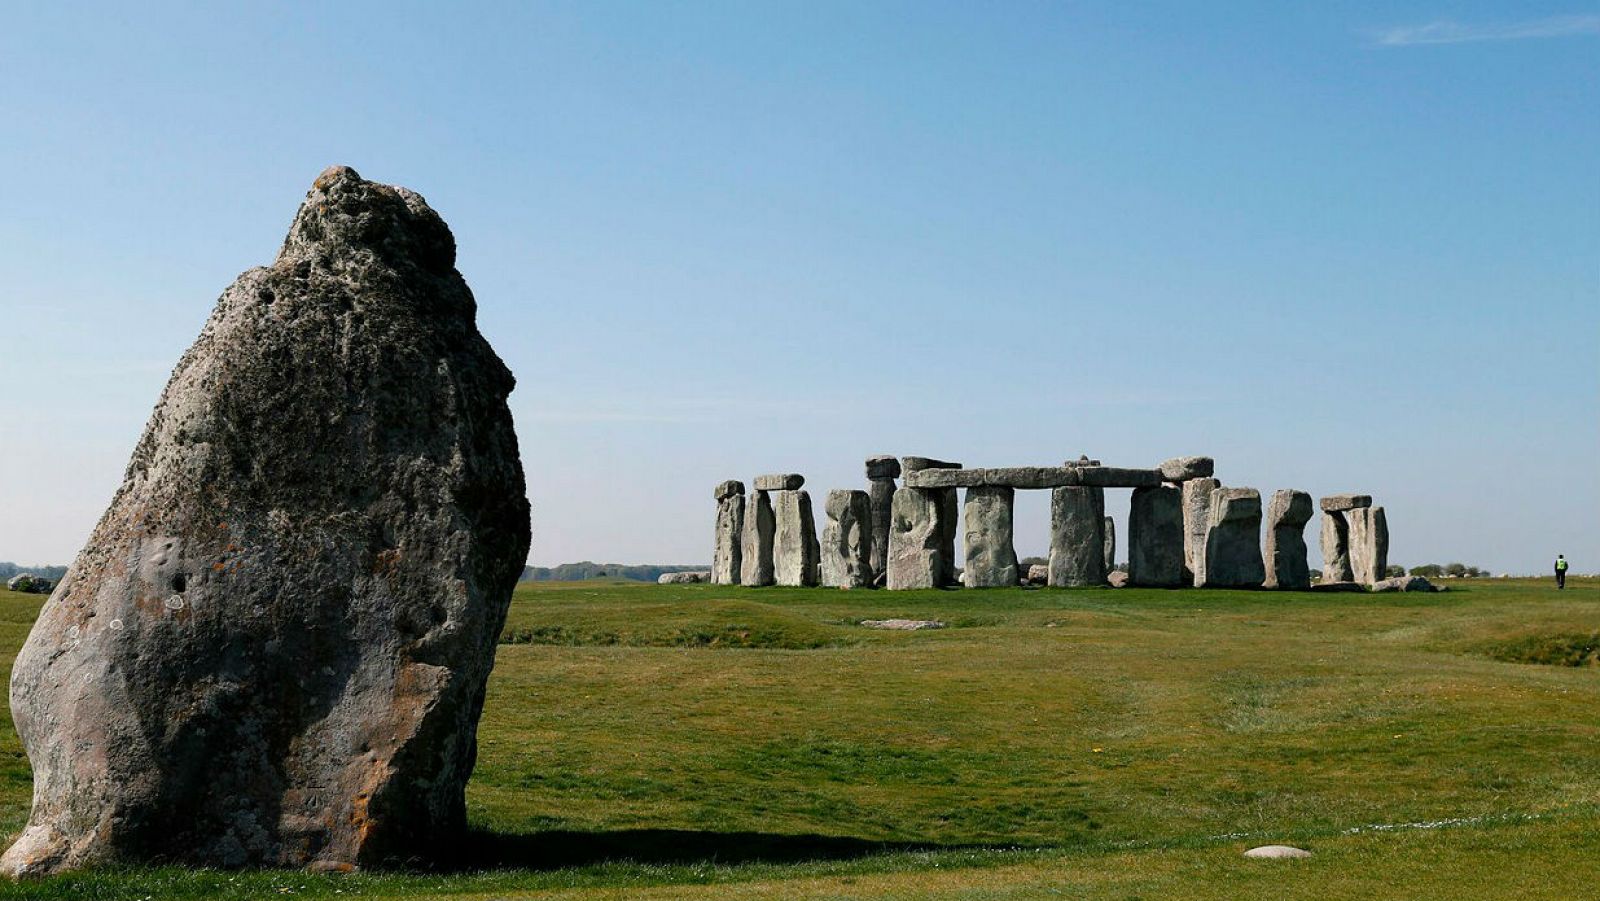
[{"x": 273, "y": 648}]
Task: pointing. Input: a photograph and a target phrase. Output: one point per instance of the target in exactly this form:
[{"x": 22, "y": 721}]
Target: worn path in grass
[{"x": 1129, "y": 742}]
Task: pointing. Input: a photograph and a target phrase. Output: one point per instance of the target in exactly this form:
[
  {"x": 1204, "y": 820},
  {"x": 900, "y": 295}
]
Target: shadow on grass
[{"x": 564, "y": 849}]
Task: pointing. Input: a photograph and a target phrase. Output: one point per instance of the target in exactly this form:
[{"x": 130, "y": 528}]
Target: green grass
[{"x": 706, "y": 742}]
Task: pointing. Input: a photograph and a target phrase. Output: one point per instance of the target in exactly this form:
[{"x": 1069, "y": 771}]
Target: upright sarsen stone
[
  {"x": 1335, "y": 543},
  {"x": 882, "y": 470},
  {"x": 755, "y": 551},
  {"x": 991, "y": 556},
  {"x": 795, "y": 547},
  {"x": 915, "y": 540},
  {"x": 1155, "y": 537},
  {"x": 1196, "y": 516},
  {"x": 273, "y": 649},
  {"x": 847, "y": 540},
  {"x": 1077, "y": 547},
  {"x": 1369, "y": 544},
  {"x": 1232, "y": 557},
  {"x": 949, "y": 510},
  {"x": 1287, "y": 515},
  {"x": 1108, "y": 533},
  {"x": 727, "y": 552}
]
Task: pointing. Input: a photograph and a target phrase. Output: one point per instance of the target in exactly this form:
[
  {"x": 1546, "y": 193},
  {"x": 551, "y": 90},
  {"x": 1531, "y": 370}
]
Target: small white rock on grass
[
  {"x": 904, "y": 625},
  {"x": 1277, "y": 852}
]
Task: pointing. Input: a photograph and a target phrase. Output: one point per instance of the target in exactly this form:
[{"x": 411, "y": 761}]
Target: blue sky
[{"x": 1338, "y": 246}]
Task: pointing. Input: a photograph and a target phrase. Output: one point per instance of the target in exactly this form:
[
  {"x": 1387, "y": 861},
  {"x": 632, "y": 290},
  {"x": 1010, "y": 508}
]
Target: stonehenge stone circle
[
  {"x": 1232, "y": 556},
  {"x": 795, "y": 547},
  {"x": 1287, "y": 515},
  {"x": 915, "y": 540},
  {"x": 1369, "y": 544},
  {"x": 1077, "y": 549},
  {"x": 760, "y": 530},
  {"x": 991, "y": 557},
  {"x": 847, "y": 540},
  {"x": 1196, "y": 516},
  {"x": 1156, "y": 537},
  {"x": 272, "y": 651},
  {"x": 1184, "y": 528},
  {"x": 727, "y": 552},
  {"x": 882, "y": 470}
]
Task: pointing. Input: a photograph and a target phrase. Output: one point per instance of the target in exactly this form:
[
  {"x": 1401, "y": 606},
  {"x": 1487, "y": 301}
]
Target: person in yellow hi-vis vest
[{"x": 1561, "y": 571}]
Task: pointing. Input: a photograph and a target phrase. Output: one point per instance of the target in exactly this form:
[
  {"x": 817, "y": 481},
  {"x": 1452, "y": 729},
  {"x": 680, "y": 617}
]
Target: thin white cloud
[{"x": 1447, "y": 32}]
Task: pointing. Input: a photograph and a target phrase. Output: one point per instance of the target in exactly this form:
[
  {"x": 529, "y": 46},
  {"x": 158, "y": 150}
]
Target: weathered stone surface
[
  {"x": 1032, "y": 477},
  {"x": 1117, "y": 477},
  {"x": 882, "y": 495},
  {"x": 273, "y": 649},
  {"x": 760, "y": 531},
  {"x": 1083, "y": 460},
  {"x": 1369, "y": 544},
  {"x": 1196, "y": 515},
  {"x": 1335, "y": 541},
  {"x": 1404, "y": 583},
  {"x": 1108, "y": 537},
  {"x": 1287, "y": 515},
  {"x": 688, "y": 577},
  {"x": 1185, "y": 469},
  {"x": 1155, "y": 537},
  {"x": 847, "y": 540},
  {"x": 990, "y": 554},
  {"x": 1338, "y": 587},
  {"x": 28, "y": 583},
  {"x": 1277, "y": 852},
  {"x": 727, "y": 554},
  {"x": 728, "y": 489},
  {"x": 1118, "y": 579},
  {"x": 1038, "y": 574},
  {"x": 949, "y": 526},
  {"x": 883, "y": 466},
  {"x": 1233, "y": 541},
  {"x": 917, "y": 464},
  {"x": 1077, "y": 549},
  {"x": 1338, "y": 503},
  {"x": 902, "y": 625},
  {"x": 915, "y": 540},
  {"x": 780, "y": 481},
  {"x": 795, "y": 546}
]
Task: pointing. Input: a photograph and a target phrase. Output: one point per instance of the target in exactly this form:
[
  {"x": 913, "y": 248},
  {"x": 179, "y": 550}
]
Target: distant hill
[
  {"x": 53, "y": 573},
  {"x": 575, "y": 572}
]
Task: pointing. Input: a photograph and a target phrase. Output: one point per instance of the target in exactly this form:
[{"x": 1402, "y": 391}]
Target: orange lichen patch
[{"x": 387, "y": 562}]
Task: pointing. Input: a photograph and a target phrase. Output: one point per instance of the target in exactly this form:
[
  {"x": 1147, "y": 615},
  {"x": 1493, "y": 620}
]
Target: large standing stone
[
  {"x": 726, "y": 554},
  {"x": 915, "y": 540},
  {"x": 1155, "y": 537},
  {"x": 948, "y": 517},
  {"x": 1369, "y": 544},
  {"x": 1287, "y": 516},
  {"x": 847, "y": 540},
  {"x": 760, "y": 530},
  {"x": 1077, "y": 549},
  {"x": 881, "y": 473},
  {"x": 273, "y": 649},
  {"x": 1232, "y": 557},
  {"x": 795, "y": 548},
  {"x": 991, "y": 556},
  {"x": 1335, "y": 542},
  {"x": 1108, "y": 537},
  {"x": 1196, "y": 515}
]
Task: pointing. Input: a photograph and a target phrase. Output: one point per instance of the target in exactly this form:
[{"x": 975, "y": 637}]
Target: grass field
[{"x": 700, "y": 742}]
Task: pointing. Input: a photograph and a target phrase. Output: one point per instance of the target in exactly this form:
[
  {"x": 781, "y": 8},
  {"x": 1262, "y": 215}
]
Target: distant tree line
[
  {"x": 53, "y": 573},
  {"x": 1434, "y": 571},
  {"x": 577, "y": 572}
]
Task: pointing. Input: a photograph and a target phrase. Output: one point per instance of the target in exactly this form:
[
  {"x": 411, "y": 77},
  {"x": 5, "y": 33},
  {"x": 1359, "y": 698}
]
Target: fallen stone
[
  {"x": 915, "y": 543},
  {"x": 1155, "y": 537},
  {"x": 780, "y": 481},
  {"x": 847, "y": 540},
  {"x": 1335, "y": 542},
  {"x": 1338, "y": 587},
  {"x": 1185, "y": 469},
  {"x": 28, "y": 583},
  {"x": 883, "y": 466},
  {"x": 1038, "y": 574},
  {"x": 902, "y": 625},
  {"x": 1338, "y": 503},
  {"x": 1118, "y": 579},
  {"x": 1369, "y": 544},
  {"x": 273, "y": 649},
  {"x": 795, "y": 548},
  {"x": 1196, "y": 515},
  {"x": 684, "y": 578},
  {"x": 755, "y": 549},
  {"x": 1233, "y": 541},
  {"x": 1404, "y": 583},
  {"x": 1277, "y": 852},
  {"x": 727, "y": 554},
  {"x": 990, "y": 554},
  {"x": 1286, "y": 564},
  {"x": 1077, "y": 549},
  {"x": 728, "y": 489}
]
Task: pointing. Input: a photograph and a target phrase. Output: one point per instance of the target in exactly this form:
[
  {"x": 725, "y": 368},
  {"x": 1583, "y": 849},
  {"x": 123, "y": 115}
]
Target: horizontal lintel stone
[
  {"x": 780, "y": 481},
  {"x": 1035, "y": 477},
  {"x": 1336, "y": 503}
]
